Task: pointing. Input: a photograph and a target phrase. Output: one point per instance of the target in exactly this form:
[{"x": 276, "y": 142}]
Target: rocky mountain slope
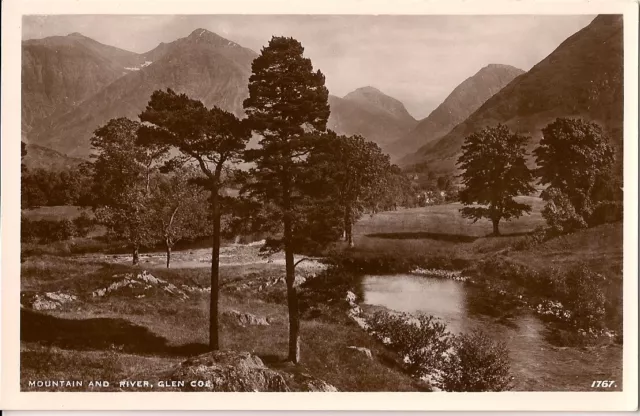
[
  {"x": 460, "y": 104},
  {"x": 203, "y": 65},
  {"x": 371, "y": 113},
  {"x": 583, "y": 78},
  {"x": 59, "y": 72}
]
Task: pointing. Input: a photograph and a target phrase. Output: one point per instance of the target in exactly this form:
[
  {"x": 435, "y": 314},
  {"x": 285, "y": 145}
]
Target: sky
[{"x": 417, "y": 59}]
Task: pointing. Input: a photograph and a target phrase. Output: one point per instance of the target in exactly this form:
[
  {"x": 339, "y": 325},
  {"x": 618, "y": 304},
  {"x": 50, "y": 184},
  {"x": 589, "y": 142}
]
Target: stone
[
  {"x": 307, "y": 382},
  {"x": 140, "y": 282},
  {"x": 47, "y": 300},
  {"x": 351, "y": 297},
  {"x": 230, "y": 371},
  {"x": 245, "y": 319},
  {"x": 363, "y": 350}
]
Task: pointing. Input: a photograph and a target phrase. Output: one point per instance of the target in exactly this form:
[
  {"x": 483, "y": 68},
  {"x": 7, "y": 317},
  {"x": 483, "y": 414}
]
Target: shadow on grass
[
  {"x": 452, "y": 238},
  {"x": 98, "y": 334}
]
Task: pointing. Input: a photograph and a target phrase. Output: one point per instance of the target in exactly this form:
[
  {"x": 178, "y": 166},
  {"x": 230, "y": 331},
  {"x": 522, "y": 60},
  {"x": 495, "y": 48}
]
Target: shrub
[
  {"x": 421, "y": 341},
  {"x": 46, "y": 231},
  {"x": 83, "y": 224},
  {"x": 328, "y": 287},
  {"x": 560, "y": 213},
  {"x": 476, "y": 364},
  {"x": 585, "y": 298}
]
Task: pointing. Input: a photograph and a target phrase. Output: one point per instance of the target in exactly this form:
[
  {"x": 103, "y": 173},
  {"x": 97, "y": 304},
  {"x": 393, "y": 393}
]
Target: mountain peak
[
  {"x": 76, "y": 35},
  {"x": 376, "y": 99},
  {"x": 205, "y": 36}
]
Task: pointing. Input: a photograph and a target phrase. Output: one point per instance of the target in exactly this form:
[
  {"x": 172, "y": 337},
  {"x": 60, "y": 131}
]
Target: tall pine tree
[{"x": 287, "y": 104}]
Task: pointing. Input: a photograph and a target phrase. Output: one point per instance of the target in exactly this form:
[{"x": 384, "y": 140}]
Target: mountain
[
  {"x": 582, "y": 78},
  {"x": 371, "y": 113},
  {"x": 39, "y": 157},
  {"x": 460, "y": 104},
  {"x": 59, "y": 72},
  {"x": 203, "y": 65}
]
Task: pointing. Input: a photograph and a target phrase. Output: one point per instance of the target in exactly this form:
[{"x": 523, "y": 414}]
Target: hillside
[
  {"x": 583, "y": 78},
  {"x": 59, "y": 72},
  {"x": 460, "y": 104},
  {"x": 39, "y": 157},
  {"x": 371, "y": 113},
  {"x": 203, "y": 65}
]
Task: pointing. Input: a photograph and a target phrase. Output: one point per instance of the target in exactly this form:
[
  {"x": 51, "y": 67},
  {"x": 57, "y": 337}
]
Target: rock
[
  {"x": 351, "y": 297},
  {"x": 245, "y": 319},
  {"x": 363, "y": 350},
  {"x": 47, "y": 300},
  {"x": 306, "y": 382},
  {"x": 141, "y": 282},
  {"x": 230, "y": 371}
]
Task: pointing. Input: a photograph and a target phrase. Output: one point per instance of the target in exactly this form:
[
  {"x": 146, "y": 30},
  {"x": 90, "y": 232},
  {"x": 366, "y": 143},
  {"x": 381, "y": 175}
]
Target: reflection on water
[{"x": 534, "y": 362}]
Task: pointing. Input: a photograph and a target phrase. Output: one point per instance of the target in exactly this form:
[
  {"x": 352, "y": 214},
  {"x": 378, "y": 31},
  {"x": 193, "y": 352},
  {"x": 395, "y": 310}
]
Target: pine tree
[
  {"x": 287, "y": 103},
  {"x": 213, "y": 139}
]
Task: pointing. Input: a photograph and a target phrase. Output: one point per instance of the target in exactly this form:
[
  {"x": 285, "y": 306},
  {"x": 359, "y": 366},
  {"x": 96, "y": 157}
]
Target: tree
[
  {"x": 575, "y": 160},
  {"x": 213, "y": 139},
  {"x": 287, "y": 101},
  {"x": 360, "y": 173},
  {"x": 180, "y": 209},
  {"x": 121, "y": 185},
  {"x": 494, "y": 172}
]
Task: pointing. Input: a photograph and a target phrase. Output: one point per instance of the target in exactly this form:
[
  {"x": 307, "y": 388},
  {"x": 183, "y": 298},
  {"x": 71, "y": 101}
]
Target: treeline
[
  {"x": 574, "y": 163},
  {"x": 41, "y": 187}
]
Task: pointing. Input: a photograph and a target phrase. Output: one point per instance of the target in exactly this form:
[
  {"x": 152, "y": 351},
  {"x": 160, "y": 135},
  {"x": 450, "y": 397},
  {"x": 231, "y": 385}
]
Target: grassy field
[{"x": 119, "y": 337}]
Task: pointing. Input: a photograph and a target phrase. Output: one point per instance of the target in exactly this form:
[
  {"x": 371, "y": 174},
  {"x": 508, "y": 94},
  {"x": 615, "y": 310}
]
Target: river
[{"x": 536, "y": 364}]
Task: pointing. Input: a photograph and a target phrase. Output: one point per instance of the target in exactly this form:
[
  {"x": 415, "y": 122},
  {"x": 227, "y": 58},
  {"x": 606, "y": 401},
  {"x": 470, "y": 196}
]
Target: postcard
[{"x": 279, "y": 205}]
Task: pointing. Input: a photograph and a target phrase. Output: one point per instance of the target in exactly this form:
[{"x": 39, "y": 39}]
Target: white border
[{"x": 12, "y": 399}]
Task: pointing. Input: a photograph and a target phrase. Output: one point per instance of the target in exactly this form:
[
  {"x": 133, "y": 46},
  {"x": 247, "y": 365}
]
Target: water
[{"x": 536, "y": 364}]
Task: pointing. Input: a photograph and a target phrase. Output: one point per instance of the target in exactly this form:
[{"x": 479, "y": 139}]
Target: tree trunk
[
  {"x": 136, "y": 256},
  {"x": 168, "y": 255},
  {"x": 214, "y": 343},
  {"x": 348, "y": 235},
  {"x": 292, "y": 296},
  {"x": 496, "y": 230}
]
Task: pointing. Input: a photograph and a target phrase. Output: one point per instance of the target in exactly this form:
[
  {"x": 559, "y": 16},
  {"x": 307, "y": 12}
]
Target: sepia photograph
[{"x": 323, "y": 203}]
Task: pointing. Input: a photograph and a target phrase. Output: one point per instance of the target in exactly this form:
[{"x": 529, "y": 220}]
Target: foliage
[
  {"x": 287, "y": 106},
  {"x": 560, "y": 213},
  {"x": 41, "y": 187},
  {"x": 494, "y": 172},
  {"x": 575, "y": 161},
  {"x": 48, "y": 231},
  {"x": 122, "y": 182},
  {"x": 211, "y": 138},
  {"x": 477, "y": 364},
  {"x": 329, "y": 287},
  {"x": 354, "y": 174},
  {"x": 422, "y": 341}
]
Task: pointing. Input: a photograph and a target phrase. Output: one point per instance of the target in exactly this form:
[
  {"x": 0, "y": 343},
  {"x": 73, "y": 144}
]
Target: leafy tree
[
  {"x": 180, "y": 209},
  {"x": 213, "y": 139},
  {"x": 121, "y": 186},
  {"x": 360, "y": 174},
  {"x": 575, "y": 159},
  {"x": 494, "y": 172},
  {"x": 287, "y": 101}
]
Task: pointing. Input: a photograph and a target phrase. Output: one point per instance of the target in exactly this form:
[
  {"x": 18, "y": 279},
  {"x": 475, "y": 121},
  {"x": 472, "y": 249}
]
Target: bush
[
  {"x": 83, "y": 225},
  {"x": 46, "y": 231},
  {"x": 560, "y": 213},
  {"x": 329, "y": 287},
  {"x": 421, "y": 341},
  {"x": 476, "y": 364},
  {"x": 584, "y": 296}
]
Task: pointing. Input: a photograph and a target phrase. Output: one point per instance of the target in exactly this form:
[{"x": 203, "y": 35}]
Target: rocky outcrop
[
  {"x": 138, "y": 286},
  {"x": 244, "y": 319},
  {"x": 362, "y": 350},
  {"x": 231, "y": 371},
  {"x": 306, "y": 382},
  {"x": 47, "y": 300}
]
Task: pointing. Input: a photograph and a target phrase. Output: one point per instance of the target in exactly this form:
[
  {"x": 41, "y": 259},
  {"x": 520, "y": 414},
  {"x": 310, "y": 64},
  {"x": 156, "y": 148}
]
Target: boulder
[
  {"x": 230, "y": 371},
  {"x": 363, "y": 350},
  {"x": 47, "y": 300},
  {"x": 135, "y": 285},
  {"x": 306, "y": 382},
  {"x": 245, "y": 319}
]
